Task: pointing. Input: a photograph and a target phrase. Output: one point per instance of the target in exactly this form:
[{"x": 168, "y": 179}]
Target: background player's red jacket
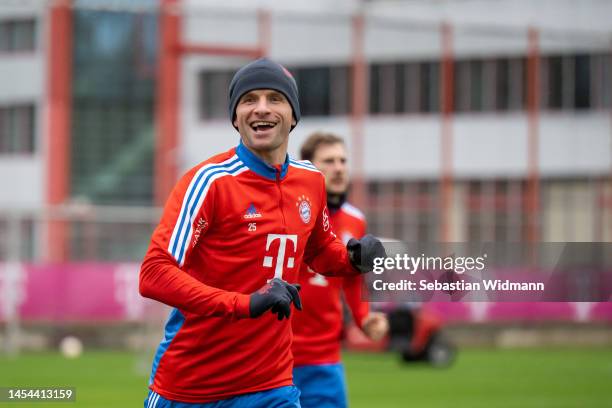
[
  {"x": 318, "y": 329},
  {"x": 231, "y": 224}
]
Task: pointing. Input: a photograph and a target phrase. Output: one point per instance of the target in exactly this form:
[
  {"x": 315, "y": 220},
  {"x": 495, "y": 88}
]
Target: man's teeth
[{"x": 267, "y": 124}]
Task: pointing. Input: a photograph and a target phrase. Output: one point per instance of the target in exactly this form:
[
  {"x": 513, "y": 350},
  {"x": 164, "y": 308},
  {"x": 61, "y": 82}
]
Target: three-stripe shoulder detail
[
  {"x": 303, "y": 164},
  {"x": 194, "y": 198},
  {"x": 352, "y": 210}
]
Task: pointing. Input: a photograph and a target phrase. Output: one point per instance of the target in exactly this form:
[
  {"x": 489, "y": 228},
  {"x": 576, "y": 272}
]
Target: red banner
[{"x": 109, "y": 292}]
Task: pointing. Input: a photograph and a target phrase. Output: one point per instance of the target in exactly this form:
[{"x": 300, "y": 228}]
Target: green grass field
[{"x": 479, "y": 378}]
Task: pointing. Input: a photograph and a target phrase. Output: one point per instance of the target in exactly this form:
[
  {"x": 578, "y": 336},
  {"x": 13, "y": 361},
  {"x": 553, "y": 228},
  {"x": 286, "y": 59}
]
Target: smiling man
[{"x": 233, "y": 234}]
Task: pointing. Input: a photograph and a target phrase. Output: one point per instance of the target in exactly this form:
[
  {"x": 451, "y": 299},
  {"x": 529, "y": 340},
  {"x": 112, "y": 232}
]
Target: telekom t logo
[{"x": 280, "y": 259}]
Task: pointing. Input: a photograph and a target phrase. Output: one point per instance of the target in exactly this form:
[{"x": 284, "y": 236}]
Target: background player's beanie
[{"x": 263, "y": 74}]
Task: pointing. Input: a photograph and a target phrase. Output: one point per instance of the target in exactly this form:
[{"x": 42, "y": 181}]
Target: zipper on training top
[{"x": 280, "y": 201}]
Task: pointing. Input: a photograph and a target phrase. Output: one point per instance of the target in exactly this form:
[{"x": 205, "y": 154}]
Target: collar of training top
[{"x": 259, "y": 166}]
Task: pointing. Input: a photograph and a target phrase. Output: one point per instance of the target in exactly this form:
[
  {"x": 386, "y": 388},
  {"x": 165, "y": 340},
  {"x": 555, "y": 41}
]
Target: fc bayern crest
[{"x": 303, "y": 205}]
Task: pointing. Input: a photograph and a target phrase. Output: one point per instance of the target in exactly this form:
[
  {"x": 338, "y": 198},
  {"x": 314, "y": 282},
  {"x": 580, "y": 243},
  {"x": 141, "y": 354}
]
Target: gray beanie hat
[{"x": 263, "y": 74}]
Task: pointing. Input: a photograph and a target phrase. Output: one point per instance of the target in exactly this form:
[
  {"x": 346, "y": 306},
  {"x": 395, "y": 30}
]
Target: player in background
[
  {"x": 233, "y": 233},
  {"x": 317, "y": 331}
]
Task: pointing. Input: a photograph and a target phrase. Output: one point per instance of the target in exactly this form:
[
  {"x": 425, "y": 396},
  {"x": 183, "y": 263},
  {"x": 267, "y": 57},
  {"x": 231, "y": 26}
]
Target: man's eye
[{"x": 248, "y": 99}]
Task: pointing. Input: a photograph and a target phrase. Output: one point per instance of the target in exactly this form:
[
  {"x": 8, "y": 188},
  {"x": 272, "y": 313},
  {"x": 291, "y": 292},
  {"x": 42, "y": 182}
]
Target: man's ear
[{"x": 235, "y": 122}]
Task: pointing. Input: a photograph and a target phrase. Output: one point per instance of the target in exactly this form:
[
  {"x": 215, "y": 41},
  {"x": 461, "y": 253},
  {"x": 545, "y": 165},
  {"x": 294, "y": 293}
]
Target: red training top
[{"x": 232, "y": 223}]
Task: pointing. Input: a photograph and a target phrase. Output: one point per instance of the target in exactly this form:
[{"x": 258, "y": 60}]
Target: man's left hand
[{"x": 362, "y": 252}]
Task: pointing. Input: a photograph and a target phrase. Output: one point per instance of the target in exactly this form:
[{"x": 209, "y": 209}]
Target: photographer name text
[{"x": 460, "y": 285}]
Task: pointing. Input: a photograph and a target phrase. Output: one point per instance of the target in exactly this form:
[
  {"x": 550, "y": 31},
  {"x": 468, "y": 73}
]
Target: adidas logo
[{"x": 251, "y": 213}]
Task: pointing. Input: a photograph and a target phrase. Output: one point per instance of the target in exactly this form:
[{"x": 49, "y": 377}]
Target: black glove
[
  {"x": 277, "y": 296},
  {"x": 363, "y": 251}
]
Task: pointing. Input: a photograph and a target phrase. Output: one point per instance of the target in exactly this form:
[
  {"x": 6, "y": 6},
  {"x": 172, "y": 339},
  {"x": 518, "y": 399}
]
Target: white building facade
[{"x": 403, "y": 142}]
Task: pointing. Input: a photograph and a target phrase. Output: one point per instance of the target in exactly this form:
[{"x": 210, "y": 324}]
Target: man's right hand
[
  {"x": 277, "y": 296},
  {"x": 375, "y": 325}
]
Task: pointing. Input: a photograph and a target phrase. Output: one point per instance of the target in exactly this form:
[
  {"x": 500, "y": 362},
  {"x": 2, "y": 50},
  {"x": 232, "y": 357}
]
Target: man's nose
[{"x": 262, "y": 106}]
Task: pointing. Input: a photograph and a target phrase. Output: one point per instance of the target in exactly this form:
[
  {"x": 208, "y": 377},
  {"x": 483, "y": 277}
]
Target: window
[
  {"x": 601, "y": 86},
  {"x": 386, "y": 88},
  {"x": 17, "y": 238},
  {"x": 495, "y": 211},
  {"x": 606, "y": 80},
  {"x": 17, "y": 129},
  {"x": 314, "y": 86},
  {"x": 489, "y": 81},
  {"x": 404, "y": 210},
  {"x": 517, "y": 79},
  {"x": 554, "y": 79},
  {"x": 502, "y": 84},
  {"x": 399, "y": 73},
  {"x": 324, "y": 90},
  {"x": 113, "y": 93},
  {"x": 582, "y": 81},
  {"x": 572, "y": 82},
  {"x": 430, "y": 86},
  {"x": 411, "y": 77},
  {"x": 341, "y": 86},
  {"x": 404, "y": 87},
  {"x": 462, "y": 86},
  {"x": 213, "y": 94},
  {"x": 17, "y": 35},
  {"x": 375, "y": 87},
  {"x": 476, "y": 86}
]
